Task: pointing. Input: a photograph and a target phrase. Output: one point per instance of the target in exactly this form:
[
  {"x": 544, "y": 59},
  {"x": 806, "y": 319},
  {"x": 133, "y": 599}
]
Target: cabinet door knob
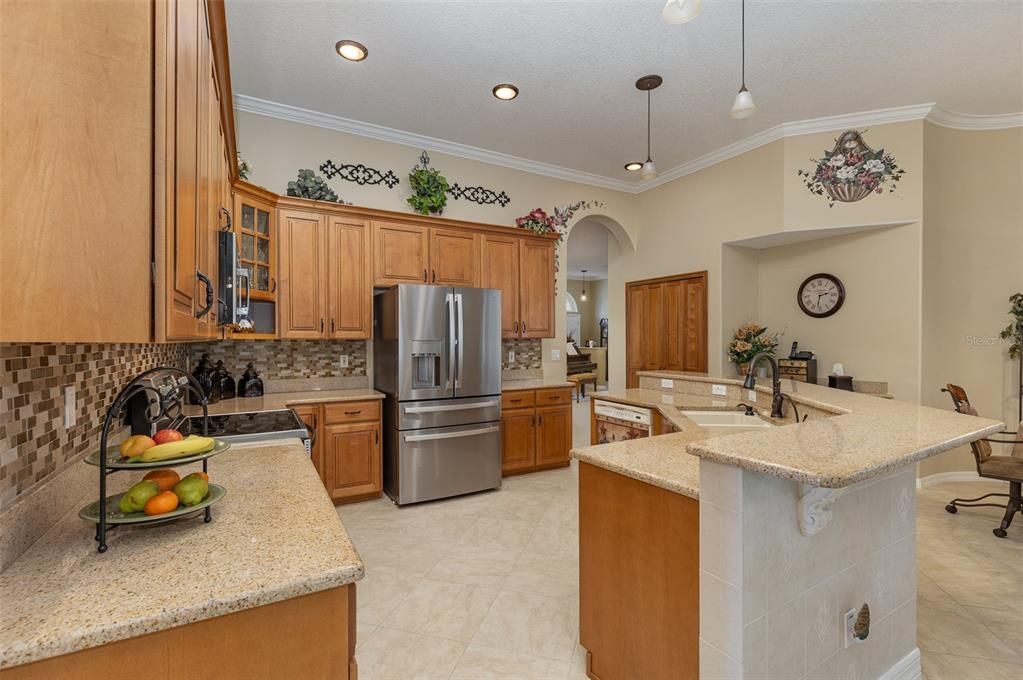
[
  {"x": 435, "y": 276},
  {"x": 209, "y": 294},
  {"x": 321, "y": 325},
  {"x": 332, "y": 325},
  {"x": 425, "y": 279},
  {"x": 273, "y": 284}
]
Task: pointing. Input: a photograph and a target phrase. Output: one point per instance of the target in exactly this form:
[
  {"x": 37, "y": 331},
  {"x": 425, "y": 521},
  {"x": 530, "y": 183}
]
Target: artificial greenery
[
  {"x": 308, "y": 185},
  {"x": 1014, "y": 331},
  {"x": 429, "y": 188},
  {"x": 244, "y": 168}
]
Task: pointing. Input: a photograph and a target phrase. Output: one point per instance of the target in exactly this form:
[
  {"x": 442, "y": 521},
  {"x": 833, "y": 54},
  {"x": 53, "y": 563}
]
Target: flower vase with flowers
[{"x": 749, "y": 341}]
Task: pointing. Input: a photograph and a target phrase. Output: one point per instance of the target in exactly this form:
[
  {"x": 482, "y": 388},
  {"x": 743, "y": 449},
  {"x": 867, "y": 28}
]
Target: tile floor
[{"x": 486, "y": 586}]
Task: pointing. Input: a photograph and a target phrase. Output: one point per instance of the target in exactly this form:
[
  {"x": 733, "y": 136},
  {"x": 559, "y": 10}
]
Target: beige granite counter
[
  {"x": 274, "y": 536},
  {"x": 671, "y": 404},
  {"x": 280, "y": 400},
  {"x": 532, "y": 384},
  {"x": 661, "y": 461},
  {"x": 865, "y": 438}
]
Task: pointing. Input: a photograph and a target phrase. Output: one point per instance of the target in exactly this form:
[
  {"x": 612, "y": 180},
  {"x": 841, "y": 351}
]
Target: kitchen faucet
[{"x": 751, "y": 382}]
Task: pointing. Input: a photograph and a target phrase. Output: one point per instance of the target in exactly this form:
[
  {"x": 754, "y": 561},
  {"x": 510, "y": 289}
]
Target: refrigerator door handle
[
  {"x": 451, "y": 407},
  {"x": 458, "y": 341},
  {"x": 450, "y": 435},
  {"x": 449, "y": 304}
]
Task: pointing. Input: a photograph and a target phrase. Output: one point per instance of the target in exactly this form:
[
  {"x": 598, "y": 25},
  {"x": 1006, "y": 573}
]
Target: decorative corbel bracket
[{"x": 815, "y": 508}]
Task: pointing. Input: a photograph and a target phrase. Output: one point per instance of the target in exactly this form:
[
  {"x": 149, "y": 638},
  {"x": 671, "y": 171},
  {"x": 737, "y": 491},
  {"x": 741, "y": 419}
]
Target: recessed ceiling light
[
  {"x": 633, "y": 166},
  {"x": 505, "y": 92},
  {"x": 351, "y": 50}
]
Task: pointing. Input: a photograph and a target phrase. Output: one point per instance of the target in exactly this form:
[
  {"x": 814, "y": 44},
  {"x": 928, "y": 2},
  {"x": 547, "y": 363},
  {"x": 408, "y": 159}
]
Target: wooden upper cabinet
[
  {"x": 401, "y": 253},
  {"x": 454, "y": 258},
  {"x": 536, "y": 288},
  {"x": 301, "y": 301},
  {"x": 253, "y": 220},
  {"x": 499, "y": 268},
  {"x": 349, "y": 279}
]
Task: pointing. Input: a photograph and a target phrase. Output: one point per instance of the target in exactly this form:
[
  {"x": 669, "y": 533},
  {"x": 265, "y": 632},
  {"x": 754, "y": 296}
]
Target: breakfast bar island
[
  {"x": 190, "y": 595},
  {"x": 713, "y": 555}
]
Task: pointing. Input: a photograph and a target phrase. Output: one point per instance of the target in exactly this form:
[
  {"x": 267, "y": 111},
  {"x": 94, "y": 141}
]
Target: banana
[{"x": 189, "y": 446}]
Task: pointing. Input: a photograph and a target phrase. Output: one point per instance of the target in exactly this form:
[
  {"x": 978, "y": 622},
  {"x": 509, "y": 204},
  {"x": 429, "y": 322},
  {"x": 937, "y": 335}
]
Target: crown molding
[
  {"x": 900, "y": 114},
  {"x": 356, "y": 127},
  {"x": 969, "y": 121}
]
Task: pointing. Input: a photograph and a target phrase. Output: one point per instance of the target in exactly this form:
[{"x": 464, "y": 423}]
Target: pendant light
[
  {"x": 583, "y": 296},
  {"x": 648, "y": 84},
  {"x": 743, "y": 106},
  {"x": 680, "y": 11}
]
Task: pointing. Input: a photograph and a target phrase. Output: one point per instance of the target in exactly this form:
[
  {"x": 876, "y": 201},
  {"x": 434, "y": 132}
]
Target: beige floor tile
[
  {"x": 400, "y": 551},
  {"x": 1007, "y": 624},
  {"x": 362, "y": 632},
  {"x": 399, "y": 655},
  {"x": 535, "y": 624},
  {"x": 484, "y": 663},
  {"x": 957, "y": 632},
  {"x": 447, "y": 610},
  {"x": 947, "y": 667},
  {"x": 551, "y": 577},
  {"x": 498, "y": 533},
  {"x": 380, "y": 591}
]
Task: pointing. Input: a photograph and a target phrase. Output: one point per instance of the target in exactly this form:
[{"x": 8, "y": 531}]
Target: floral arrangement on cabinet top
[{"x": 540, "y": 223}]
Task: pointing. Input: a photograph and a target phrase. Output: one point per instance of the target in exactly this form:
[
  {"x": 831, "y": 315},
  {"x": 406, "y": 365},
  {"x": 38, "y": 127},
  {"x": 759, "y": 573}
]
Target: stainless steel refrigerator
[{"x": 437, "y": 357}]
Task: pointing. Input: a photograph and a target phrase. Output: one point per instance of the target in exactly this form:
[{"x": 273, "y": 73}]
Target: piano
[{"x": 580, "y": 363}]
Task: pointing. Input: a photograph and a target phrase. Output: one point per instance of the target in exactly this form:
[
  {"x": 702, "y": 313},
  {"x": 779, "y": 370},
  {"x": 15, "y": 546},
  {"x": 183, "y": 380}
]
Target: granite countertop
[
  {"x": 865, "y": 438},
  {"x": 62, "y": 596},
  {"x": 661, "y": 461},
  {"x": 279, "y": 400},
  {"x": 532, "y": 384},
  {"x": 671, "y": 404}
]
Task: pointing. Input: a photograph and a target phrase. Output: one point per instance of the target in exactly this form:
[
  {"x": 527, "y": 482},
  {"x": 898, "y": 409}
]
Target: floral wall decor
[
  {"x": 541, "y": 224},
  {"x": 429, "y": 188},
  {"x": 308, "y": 185},
  {"x": 852, "y": 171}
]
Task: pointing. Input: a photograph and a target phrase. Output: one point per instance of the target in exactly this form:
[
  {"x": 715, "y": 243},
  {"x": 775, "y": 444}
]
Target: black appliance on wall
[{"x": 234, "y": 294}]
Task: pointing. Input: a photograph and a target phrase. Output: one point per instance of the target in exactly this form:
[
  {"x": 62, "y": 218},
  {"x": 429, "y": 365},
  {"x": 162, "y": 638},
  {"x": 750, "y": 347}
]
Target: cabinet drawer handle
[
  {"x": 515, "y": 401},
  {"x": 553, "y": 396},
  {"x": 353, "y": 413}
]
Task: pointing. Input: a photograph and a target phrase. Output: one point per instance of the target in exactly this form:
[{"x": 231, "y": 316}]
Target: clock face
[{"x": 821, "y": 295}]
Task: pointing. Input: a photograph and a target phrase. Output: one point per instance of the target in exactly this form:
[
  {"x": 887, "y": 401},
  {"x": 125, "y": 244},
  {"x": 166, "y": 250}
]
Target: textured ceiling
[
  {"x": 587, "y": 249},
  {"x": 432, "y": 64}
]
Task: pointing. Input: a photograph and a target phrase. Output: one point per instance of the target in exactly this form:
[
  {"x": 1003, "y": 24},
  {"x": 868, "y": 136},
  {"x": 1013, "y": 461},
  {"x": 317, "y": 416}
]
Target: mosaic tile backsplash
[
  {"x": 528, "y": 354},
  {"x": 286, "y": 359},
  {"x": 34, "y": 443}
]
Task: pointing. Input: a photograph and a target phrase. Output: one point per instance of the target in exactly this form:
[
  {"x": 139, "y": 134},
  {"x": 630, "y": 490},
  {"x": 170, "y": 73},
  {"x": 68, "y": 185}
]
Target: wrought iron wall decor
[
  {"x": 480, "y": 195},
  {"x": 359, "y": 173}
]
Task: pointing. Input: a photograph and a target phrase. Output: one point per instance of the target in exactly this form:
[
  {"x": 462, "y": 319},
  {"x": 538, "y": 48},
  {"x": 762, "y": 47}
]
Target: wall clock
[{"x": 820, "y": 295}]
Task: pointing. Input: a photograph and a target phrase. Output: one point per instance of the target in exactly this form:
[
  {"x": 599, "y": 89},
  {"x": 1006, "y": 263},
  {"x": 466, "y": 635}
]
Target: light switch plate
[
  {"x": 511, "y": 356},
  {"x": 555, "y": 355},
  {"x": 751, "y": 395},
  {"x": 344, "y": 361},
  {"x": 667, "y": 384},
  {"x": 70, "y": 407},
  {"x": 719, "y": 390}
]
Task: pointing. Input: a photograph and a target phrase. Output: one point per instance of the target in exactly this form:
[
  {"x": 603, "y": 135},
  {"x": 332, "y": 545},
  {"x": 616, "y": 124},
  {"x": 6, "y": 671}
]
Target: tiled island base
[{"x": 773, "y": 600}]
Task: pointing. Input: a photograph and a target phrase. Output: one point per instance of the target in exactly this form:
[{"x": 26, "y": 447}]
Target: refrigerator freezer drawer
[
  {"x": 446, "y": 461},
  {"x": 447, "y": 412}
]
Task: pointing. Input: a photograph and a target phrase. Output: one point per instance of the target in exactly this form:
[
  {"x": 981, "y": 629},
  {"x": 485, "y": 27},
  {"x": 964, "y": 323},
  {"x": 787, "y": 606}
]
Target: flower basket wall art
[{"x": 852, "y": 171}]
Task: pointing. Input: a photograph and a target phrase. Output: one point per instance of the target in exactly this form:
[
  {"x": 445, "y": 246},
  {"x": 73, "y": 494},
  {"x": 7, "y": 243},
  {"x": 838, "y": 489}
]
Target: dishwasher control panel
[{"x": 631, "y": 414}]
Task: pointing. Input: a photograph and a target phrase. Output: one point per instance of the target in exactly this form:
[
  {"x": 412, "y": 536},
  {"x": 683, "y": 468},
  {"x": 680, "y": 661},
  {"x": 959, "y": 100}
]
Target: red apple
[{"x": 167, "y": 436}]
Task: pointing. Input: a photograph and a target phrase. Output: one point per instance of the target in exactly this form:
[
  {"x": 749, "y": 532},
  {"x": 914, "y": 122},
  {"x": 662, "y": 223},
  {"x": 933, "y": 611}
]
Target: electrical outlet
[
  {"x": 511, "y": 356},
  {"x": 751, "y": 395},
  {"x": 667, "y": 384},
  {"x": 70, "y": 407},
  {"x": 344, "y": 361},
  {"x": 719, "y": 390},
  {"x": 555, "y": 355},
  {"x": 667, "y": 399}
]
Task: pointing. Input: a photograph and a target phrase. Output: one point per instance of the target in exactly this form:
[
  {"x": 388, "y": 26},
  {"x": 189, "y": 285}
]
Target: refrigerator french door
[{"x": 437, "y": 357}]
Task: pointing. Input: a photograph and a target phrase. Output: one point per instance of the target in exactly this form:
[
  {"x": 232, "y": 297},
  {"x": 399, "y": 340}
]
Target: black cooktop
[{"x": 242, "y": 424}]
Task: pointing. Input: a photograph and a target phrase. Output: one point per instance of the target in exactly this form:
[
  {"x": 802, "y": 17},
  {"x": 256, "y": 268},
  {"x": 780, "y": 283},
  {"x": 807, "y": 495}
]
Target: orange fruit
[
  {"x": 202, "y": 474},
  {"x": 165, "y": 479},
  {"x": 165, "y": 501}
]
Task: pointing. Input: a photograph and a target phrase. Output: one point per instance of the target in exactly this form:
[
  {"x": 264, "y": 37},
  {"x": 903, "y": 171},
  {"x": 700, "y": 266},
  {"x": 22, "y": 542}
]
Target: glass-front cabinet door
[{"x": 255, "y": 229}]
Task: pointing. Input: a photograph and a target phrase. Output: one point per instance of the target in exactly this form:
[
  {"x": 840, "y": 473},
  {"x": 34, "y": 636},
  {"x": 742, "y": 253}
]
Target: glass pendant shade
[
  {"x": 649, "y": 170},
  {"x": 680, "y": 11},
  {"x": 743, "y": 106}
]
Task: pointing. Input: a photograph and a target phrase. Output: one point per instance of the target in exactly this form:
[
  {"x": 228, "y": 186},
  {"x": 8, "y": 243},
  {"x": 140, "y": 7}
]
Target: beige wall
[
  {"x": 876, "y": 333},
  {"x": 973, "y": 261}
]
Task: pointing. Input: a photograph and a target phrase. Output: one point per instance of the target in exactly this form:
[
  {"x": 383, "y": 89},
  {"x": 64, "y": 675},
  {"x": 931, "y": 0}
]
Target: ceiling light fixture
[
  {"x": 743, "y": 106},
  {"x": 633, "y": 166},
  {"x": 505, "y": 92},
  {"x": 351, "y": 50},
  {"x": 583, "y": 296},
  {"x": 648, "y": 84},
  {"x": 680, "y": 11}
]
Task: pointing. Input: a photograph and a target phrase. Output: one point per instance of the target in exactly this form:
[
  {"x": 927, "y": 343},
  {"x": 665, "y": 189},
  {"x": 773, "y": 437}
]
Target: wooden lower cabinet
[
  {"x": 347, "y": 449},
  {"x": 312, "y": 636},
  {"x": 639, "y": 578},
  {"x": 535, "y": 436}
]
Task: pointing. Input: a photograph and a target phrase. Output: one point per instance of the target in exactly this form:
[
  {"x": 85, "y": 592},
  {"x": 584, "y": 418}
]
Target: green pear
[
  {"x": 192, "y": 489},
  {"x": 134, "y": 500}
]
